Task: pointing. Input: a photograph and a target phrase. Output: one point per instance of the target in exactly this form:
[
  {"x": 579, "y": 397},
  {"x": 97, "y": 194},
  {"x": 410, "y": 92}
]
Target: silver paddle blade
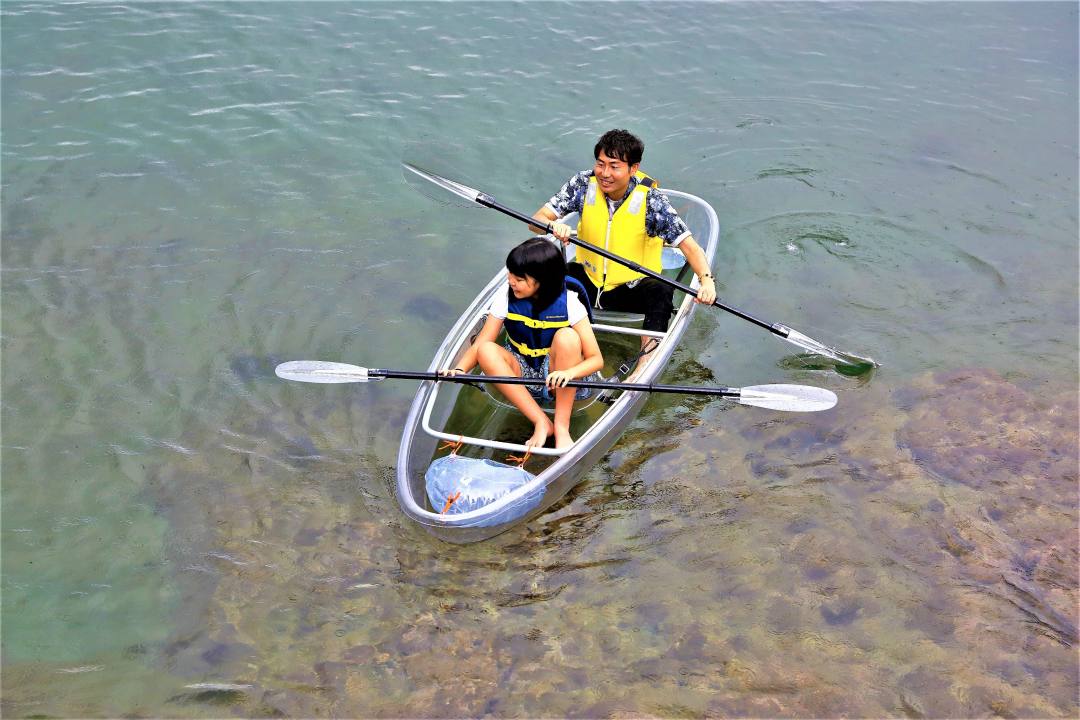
[
  {"x": 808, "y": 343},
  {"x": 789, "y": 398},
  {"x": 318, "y": 371},
  {"x": 446, "y": 184}
]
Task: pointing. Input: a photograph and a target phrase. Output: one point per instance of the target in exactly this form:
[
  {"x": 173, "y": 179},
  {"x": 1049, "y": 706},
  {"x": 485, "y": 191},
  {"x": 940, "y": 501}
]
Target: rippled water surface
[{"x": 193, "y": 192}]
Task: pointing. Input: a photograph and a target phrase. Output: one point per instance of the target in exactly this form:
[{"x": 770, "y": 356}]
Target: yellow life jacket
[{"x": 623, "y": 234}]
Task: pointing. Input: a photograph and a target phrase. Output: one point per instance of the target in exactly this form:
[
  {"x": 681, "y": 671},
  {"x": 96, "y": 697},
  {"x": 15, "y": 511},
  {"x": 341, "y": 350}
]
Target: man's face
[{"x": 613, "y": 175}]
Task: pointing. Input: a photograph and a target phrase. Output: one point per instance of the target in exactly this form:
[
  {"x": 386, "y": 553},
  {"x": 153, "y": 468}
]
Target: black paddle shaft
[
  {"x": 488, "y": 201},
  {"x": 600, "y": 385}
]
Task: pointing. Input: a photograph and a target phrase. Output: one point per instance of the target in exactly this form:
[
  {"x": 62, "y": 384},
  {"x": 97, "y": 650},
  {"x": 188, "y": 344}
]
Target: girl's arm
[
  {"x": 591, "y": 361},
  {"x": 490, "y": 331}
]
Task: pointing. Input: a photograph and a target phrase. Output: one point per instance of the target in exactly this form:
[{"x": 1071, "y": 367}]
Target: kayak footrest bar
[
  {"x": 619, "y": 329},
  {"x": 482, "y": 442}
]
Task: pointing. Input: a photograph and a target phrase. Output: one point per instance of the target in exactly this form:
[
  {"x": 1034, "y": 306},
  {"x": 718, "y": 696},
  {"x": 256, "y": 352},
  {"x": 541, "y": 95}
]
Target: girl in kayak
[{"x": 549, "y": 335}]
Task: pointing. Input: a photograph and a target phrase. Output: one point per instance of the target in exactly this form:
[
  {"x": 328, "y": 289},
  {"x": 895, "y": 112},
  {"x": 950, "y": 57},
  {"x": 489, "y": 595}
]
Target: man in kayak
[{"x": 623, "y": 210}]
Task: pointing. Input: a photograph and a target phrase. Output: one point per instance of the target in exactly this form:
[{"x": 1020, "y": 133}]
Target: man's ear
[{"x": 634, "y": 167}]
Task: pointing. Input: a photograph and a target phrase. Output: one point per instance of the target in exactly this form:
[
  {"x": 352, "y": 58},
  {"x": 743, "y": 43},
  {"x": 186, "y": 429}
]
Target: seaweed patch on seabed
[
  {"x": 964, "y": 489},
  {"x": 429, "y": 308},
  {"x": 289, "y": 509},
  {"x": 1016, "y": 456}
]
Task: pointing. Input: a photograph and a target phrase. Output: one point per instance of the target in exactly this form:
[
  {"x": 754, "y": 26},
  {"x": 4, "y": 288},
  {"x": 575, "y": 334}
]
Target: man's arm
[
  {"x": 695, "y": 256},
  {"x": 545, "y": 215},
  {"x": 662, "y": 220},
  {"x": 569, "y": 199},
  {"x": 560, "y": 230}
]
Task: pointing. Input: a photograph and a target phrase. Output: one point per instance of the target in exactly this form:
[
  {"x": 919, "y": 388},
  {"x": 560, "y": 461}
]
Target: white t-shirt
[{"x": 574, "y": 309}]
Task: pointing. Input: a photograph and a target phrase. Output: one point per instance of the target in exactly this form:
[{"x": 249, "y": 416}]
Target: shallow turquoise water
[{"x": 192, "y": 192}]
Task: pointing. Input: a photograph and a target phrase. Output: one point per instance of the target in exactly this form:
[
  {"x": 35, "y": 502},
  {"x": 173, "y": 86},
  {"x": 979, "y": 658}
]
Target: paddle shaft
[
  {"x": 600, "y": 385},
  {"x": 490, "y": 202}
]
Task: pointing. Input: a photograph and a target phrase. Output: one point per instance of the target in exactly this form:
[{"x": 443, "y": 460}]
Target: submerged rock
[
  {"x": 976, "y": 428},
  {"x": 254, "y": 367},
  {"x": 1014, "y": 536},
  {"x": 429, "y": 308},
  {"x": 226, "y": 694}
]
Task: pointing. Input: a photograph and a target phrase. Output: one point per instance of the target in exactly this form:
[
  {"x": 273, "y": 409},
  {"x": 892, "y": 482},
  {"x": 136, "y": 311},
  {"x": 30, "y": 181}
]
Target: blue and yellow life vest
[
  {"x": 531, "y": 333},
  {"x": 623, "y": 234}
]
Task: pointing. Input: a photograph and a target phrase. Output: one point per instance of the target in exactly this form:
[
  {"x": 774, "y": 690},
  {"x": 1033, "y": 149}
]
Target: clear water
[{"x": 193, "y": 192}]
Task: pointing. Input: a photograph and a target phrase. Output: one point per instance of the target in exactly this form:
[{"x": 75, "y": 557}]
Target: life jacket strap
[
  {"x": 537, "y": 324},
  {"x": 526, "y": 350}
]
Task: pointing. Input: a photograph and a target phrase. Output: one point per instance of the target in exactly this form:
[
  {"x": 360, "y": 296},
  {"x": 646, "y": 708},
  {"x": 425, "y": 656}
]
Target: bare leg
[
  {"x": 565, "y": 353},
  {"x": 643, "y": 361},
  {"x": 494, "y": 359}
]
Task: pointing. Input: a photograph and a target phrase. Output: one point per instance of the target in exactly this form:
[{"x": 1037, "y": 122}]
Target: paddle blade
[
  {"x": 789, "y": 398},
  {"x": 861, "y": 364},
  {"x": 318, "y": 371},
  {"x": 463, "y": 191}
]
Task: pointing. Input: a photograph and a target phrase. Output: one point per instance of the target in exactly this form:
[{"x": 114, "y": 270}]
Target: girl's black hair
[{"x": 540, "y": 259}]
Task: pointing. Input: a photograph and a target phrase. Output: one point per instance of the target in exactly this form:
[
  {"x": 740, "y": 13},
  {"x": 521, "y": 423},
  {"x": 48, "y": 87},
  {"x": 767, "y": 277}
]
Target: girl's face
[{"x": 523, "y": 286}]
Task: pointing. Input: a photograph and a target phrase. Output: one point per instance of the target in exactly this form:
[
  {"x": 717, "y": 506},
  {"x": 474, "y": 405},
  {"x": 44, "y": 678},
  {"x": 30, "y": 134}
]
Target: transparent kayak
[{"x": 489, "y": 428}]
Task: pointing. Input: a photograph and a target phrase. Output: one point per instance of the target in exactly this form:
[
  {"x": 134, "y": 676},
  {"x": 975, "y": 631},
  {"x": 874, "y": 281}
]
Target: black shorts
[{"x": 648, "y": 297}]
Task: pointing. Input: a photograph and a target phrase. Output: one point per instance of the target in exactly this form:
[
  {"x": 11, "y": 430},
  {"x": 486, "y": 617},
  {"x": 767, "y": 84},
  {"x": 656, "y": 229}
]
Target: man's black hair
[{"x": 621, "y": 144}]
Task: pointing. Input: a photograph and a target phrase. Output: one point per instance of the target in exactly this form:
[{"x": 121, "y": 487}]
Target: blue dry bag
[{"x": 479, "y": 482}]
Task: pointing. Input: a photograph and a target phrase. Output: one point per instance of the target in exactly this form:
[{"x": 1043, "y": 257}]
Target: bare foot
[
  {"x": 642, "y": 363},
  {"x": 541, "y": 430},
  {"x": 562, "y": 438},
  {"x": 647, "y": 349}
]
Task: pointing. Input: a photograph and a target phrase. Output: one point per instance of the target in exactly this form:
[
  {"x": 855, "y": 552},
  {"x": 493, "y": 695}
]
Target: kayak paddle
[
  {"x": 857, "y": 363},
  {"x": 790, "y": 398}
]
